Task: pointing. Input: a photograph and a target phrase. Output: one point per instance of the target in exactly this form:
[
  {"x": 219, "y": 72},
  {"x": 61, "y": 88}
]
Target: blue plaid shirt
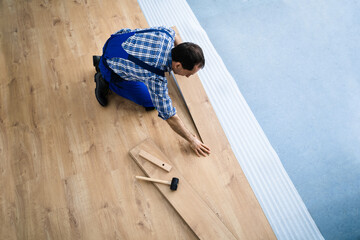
[{"x": 153, "y": 48}]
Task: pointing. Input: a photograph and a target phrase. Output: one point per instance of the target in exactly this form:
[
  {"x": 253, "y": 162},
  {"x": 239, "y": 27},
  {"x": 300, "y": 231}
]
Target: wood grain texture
[
  {"x": 190, "y": 206},
  {"x": 65, "y": 171}
]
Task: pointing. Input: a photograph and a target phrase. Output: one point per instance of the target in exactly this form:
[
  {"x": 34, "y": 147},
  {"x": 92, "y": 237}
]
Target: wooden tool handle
[
  {"x": 153, "y": 180},
  {"x": 154, "y": 160}
]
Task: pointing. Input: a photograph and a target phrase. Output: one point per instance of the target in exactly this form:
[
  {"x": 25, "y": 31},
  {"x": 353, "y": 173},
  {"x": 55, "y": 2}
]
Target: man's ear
[{"x": 178, "y": 65}]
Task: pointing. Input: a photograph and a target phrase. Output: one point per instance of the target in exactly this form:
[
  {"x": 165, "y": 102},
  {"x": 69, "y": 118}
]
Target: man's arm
[
  {"x": 177, "y": 125},
  {"x": 177, "y": 39}
]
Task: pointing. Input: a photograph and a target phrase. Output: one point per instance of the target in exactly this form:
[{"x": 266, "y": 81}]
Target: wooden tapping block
[
  {"x": 187, "y": 203},
  {"x": 154, "y": 160}
]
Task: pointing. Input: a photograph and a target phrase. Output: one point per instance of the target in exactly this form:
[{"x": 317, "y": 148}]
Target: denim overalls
[{"x": 135, "y": 91}]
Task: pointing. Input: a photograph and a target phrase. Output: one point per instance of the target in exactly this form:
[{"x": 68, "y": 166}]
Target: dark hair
[{"x": 188, "y": 54}]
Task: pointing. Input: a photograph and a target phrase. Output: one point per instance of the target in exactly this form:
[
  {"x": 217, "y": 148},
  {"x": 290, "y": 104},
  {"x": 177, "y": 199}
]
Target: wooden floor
[{"x": 65, "y": 168}]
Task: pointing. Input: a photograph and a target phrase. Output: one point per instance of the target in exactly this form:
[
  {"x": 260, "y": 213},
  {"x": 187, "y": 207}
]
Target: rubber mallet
[{"x": 173, "y": 183}]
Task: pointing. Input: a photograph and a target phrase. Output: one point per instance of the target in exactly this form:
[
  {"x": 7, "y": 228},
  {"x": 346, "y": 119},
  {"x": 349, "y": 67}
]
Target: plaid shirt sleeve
[{"x": 160, "y": 97}]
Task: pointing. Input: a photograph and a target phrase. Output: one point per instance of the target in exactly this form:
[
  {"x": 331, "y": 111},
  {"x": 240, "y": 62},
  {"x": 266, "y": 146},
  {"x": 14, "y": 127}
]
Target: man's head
[{"x": 187, "y": 59}]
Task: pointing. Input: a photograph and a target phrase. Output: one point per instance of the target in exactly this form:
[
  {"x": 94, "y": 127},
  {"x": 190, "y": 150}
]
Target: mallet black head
[{"x": 174, "y": 184}]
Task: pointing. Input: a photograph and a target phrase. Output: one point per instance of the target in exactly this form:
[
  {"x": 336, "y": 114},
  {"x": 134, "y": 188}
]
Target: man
[{"x": 133, "y": 65}]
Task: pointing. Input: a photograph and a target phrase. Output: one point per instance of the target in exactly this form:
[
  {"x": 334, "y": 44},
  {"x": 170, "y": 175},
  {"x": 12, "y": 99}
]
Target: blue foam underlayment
[
  {"x": 273, "y": 188},
  {"x": 297, "y": 63}
]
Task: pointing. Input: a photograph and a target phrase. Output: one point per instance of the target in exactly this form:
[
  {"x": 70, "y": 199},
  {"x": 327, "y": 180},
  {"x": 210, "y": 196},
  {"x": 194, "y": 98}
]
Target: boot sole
[
  {"x": 96, "y": 95},
  {"x": 96, "y": 63}
]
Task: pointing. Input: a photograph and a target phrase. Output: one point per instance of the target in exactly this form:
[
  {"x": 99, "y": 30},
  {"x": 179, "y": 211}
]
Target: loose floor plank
[{"x": 200, "y": 218}]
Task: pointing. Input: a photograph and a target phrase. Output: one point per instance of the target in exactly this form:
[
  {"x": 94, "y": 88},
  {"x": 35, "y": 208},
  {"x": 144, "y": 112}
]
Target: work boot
[
  {"x": 102, "y": 89},
  {"x": 96, "y": 60},
  {"x": 148, "y": 109}
]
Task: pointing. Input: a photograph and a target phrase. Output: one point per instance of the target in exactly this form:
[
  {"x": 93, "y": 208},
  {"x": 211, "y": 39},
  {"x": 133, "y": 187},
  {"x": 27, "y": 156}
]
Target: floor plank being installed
[
  {"x": 65, "y": 169},
  {"x": 190, "y": 206}
]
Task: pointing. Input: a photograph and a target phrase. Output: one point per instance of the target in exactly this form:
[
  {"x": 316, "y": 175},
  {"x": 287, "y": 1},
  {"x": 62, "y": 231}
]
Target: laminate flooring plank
[
  {"x": 201, "y": 219},
  {"x": 230, "y": 194}
]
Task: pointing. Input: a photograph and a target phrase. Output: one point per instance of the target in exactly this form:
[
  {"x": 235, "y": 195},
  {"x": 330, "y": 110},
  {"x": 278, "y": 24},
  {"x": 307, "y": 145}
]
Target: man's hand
[
  {"x": 177, "y": 125},
  {"x": 199, "y": 148}
]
